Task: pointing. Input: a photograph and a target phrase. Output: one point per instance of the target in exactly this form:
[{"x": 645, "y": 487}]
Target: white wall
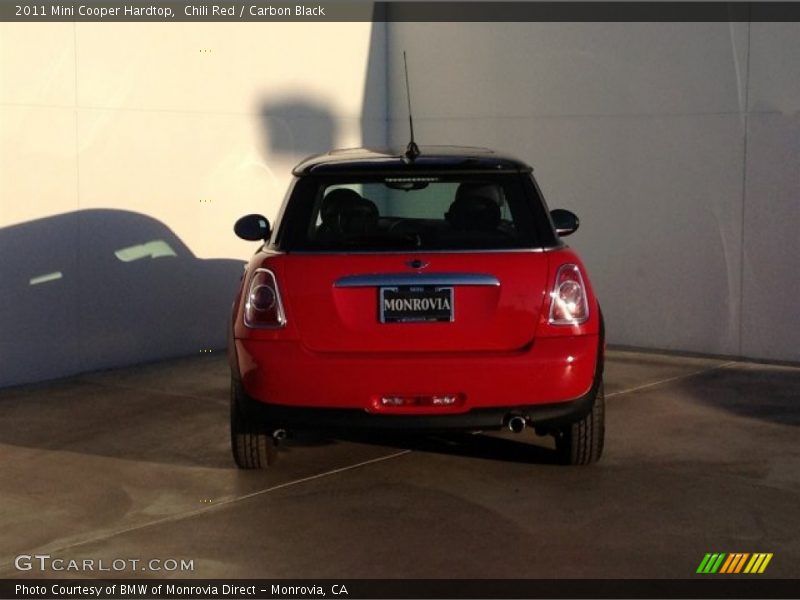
[
  {"x": 676, "y": 143},
  {"x": 771, "y": 266},
  {"x": 114, "y": 135}
]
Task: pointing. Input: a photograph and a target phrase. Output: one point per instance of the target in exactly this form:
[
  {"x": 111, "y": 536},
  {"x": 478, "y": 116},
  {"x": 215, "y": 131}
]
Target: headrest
[
  {"x": 473, "y": 213},
  {"x": 486, "y": 190},
  {"x": 342, "y": 201},
  {"x": 346, "y": 210}
]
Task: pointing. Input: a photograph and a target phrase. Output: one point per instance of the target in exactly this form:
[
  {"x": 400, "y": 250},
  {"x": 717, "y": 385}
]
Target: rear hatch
[
  {"x": 426, "y": 302},
  {"x": 415, "y": 261}
]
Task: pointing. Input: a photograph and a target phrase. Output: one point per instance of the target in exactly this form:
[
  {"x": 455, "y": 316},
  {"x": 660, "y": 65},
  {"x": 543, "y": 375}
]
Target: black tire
[
  {"x": 581, "y": 442},
  {"x": 252, "y": 443}
]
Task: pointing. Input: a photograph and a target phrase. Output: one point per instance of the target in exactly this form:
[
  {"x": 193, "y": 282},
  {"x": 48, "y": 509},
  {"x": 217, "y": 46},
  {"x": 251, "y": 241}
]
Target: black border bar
[
  {"x": 580, "y": 11},
  {"x": 398, "y": 11},
  {"x": 709, "y": 586}
]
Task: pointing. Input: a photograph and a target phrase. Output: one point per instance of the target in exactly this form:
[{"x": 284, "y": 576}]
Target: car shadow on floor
[
  {"x": 528, "y": 449},
  {"x": 763, "y": 392}
]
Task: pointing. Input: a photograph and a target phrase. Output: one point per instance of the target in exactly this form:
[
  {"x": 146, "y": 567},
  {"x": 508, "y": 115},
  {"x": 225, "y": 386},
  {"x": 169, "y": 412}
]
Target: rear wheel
[
  {"x": 251, "y": 440},
  {"x": 581, "y": 442}
]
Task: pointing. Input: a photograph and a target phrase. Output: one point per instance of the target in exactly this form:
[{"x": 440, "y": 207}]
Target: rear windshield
[{"x": 407, "y": 213}]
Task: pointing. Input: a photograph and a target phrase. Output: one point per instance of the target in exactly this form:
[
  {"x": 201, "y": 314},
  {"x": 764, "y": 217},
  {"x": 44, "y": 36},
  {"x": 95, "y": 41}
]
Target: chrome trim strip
[{"x": 397, "y": 279}]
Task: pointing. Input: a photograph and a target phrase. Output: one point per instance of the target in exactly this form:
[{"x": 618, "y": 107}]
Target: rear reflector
[{"x": 438, "y": 400}]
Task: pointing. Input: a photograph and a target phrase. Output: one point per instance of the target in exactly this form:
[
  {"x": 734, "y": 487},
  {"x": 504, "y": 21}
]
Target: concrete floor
[{"x": 702, "y": 455}]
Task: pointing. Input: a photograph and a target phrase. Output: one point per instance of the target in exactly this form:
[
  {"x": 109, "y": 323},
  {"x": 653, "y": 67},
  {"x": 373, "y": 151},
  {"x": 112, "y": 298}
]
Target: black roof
[{"x": 431, "y": 159}]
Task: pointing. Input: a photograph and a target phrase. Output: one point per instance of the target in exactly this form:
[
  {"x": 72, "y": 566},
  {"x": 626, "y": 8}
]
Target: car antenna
[{"x": 412, "y": 150}]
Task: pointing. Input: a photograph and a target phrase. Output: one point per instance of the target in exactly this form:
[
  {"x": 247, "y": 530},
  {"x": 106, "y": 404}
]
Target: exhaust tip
[{"x": 516, "y": 424}]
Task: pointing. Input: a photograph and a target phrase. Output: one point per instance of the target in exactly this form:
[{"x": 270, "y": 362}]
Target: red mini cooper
[{"x": 415, "y": 292}]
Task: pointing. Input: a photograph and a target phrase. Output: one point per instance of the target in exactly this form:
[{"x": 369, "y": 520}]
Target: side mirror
[
  {"x": 253, "y": 228},
  {"x": 566, "y": 221}
]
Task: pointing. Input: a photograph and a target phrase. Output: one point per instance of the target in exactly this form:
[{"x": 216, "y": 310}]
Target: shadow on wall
[
  {"x": 101, "y": 288},
  {"x": 375, "y": 102},
  {"x": 298, "y": 127},
  {"x": 295, "y": 126}
]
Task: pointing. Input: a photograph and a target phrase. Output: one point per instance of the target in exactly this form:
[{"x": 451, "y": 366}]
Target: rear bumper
[
  {"x": 276, "y": 416},
  {"x": 550, "y": 377}
]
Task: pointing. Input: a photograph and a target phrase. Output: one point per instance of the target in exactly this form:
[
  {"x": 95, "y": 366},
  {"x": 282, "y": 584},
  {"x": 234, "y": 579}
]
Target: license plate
[{"x": 414, "y": 304}]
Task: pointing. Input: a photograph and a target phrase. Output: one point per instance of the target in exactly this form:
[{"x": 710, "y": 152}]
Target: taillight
[
  {"x": 569, "y": 305},
  {"x": 263, "y": 307}
]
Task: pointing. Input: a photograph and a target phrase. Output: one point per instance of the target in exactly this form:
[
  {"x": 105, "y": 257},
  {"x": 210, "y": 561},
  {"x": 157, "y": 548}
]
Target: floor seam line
[
  {"x": 135, "y": 388},
  {"x": 190, "y": 514},
  {"x": 670, "y": 379}
]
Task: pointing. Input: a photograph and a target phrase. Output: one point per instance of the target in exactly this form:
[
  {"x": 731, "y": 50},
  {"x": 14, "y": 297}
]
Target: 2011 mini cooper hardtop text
[{"x": 416, "y": 292}]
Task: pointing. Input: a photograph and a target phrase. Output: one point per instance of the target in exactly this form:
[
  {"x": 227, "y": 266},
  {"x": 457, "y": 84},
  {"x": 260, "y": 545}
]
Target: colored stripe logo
[{"x": 734, "y": 563}]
